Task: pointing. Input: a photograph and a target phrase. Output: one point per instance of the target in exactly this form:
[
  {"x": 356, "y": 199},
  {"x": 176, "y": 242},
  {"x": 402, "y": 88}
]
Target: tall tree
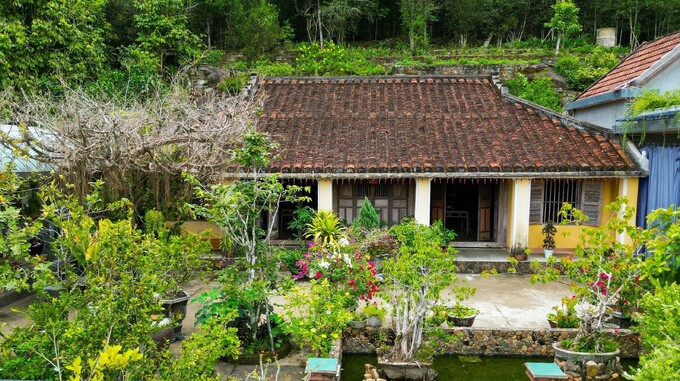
[
  {"x": 163, "y": 32},
  {"x": 564, "y": 21},
  {"x": 415, "y": 16}
]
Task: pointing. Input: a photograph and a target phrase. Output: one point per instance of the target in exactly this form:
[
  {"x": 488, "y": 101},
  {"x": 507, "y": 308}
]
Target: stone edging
[{"x": 488, "y": 341}]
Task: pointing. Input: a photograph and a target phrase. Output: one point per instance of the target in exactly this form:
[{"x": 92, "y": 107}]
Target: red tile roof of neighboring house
[
  {"x": 402, "y": 126},
  {"x": 633, "y": 66}
]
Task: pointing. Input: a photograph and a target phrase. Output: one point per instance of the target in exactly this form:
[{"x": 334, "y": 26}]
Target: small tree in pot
[
  {"x": 548, "y": 231},
  {"x": 416, "y": 276}
]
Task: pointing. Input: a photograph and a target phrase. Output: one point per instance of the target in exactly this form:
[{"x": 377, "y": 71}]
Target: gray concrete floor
[{"x": 504, "y": 301}]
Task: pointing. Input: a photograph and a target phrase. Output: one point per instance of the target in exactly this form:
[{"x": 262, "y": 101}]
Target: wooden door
[
  {"x": 484, "y": 217},
  {"x": 437, "y": 202}
]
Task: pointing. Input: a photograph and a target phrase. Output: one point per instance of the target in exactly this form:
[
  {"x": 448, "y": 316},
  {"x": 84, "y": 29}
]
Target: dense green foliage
[
  {"x": 45, "y": 42},
  {"x": 581, "y": 72},
  {"x": 660, "y": 328},
  {"x": 538, "y": 90}
]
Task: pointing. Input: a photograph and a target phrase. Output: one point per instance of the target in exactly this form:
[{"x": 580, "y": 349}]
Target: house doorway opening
[
  {"x": 469, "y": 208},
  {"x": 287, "y": 210}
]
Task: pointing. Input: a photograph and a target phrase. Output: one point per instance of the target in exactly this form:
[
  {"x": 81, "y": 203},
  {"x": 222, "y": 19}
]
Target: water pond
[{"x": 455, "y": 368}]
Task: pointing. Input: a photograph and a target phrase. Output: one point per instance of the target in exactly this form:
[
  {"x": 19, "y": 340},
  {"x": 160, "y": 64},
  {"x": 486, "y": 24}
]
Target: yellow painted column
[
  {"x": 628, "y": 188},
  {"x": 519, "y": 223},
  {"x": 422, "y": 207},
  {"x": 325, "y": 194}
]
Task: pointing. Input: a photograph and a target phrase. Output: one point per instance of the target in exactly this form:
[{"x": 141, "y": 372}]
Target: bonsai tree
[
  {"x": 549, "y": 231},
  {"x": 237, "y": 208},
  {"x": 605, "y": 271},
  {"x": 415, "y": 277}
]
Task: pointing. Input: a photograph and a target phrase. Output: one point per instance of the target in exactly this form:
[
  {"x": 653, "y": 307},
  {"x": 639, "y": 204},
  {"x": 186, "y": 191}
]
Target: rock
[{"x": 591, "y": 369}]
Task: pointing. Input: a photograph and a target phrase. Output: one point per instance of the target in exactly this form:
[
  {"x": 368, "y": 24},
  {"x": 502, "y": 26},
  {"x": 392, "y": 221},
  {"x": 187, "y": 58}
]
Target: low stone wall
[
  {"x": 478, "y": 267},
  {"x": 487, "y": 342},
  {"x": 505, "y": 71}
]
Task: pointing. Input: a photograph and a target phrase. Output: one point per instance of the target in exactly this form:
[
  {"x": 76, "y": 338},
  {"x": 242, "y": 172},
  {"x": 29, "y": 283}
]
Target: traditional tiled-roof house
[
  {"x": 654, "y": 66},
  {"x": 491, "y": 166}
]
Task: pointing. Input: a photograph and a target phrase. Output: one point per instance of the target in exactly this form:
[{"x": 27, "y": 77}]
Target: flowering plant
[
  {"x": 604, "y": 269},
  {"x": 565, "y": 317},
  {"x": 348, "y": 269},
  {"x": 317, "y": 316}
]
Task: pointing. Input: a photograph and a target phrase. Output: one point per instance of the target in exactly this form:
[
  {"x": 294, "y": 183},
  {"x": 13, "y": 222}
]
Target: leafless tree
[{"x": 137, "y": 146}]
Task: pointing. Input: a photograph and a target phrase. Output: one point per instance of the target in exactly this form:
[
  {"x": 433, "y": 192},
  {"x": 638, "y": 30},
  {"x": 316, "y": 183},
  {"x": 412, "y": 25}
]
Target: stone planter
[
  {"x": 416, "y": 371},
  {"x": 454, "y": 321},
  {"x": 620, "y": 320},
  {"x": 588, "y": 366},
  {"x": 176, "y": 307},
  {"x": 357, "y": 324},
  {"x": 374, "y": 321}
]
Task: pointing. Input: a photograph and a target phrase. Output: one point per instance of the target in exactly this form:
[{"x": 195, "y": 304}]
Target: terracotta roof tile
[
  {"x": 407, "y": 125},
  {"x": 633, "y": 66}
]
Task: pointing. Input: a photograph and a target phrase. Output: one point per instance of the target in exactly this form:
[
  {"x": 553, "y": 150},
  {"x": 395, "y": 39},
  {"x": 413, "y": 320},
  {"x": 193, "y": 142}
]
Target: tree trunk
[{"x": 557, "y": 46}]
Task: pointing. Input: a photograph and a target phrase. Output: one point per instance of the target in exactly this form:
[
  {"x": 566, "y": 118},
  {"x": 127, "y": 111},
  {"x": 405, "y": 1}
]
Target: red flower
[
  {"x": 351, "y": 282},
  {"x": 318, "y": 275}
]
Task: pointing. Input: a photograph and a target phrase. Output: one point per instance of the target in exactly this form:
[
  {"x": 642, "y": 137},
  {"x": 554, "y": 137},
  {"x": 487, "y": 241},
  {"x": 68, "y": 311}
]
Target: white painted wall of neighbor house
[
  {"x": 325, "y": 194},
  {"x": 604, "y": 115},
  {"x": 519, "y": 226},
  {"x": 666, "y": 79},
  {"x": 422, "y": 207}
]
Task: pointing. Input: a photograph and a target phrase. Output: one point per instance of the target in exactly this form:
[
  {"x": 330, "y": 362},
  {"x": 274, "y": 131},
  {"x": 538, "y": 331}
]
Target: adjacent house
[
  {"x": 654, "y": 66},
  {"x": 491, "y": 166}
]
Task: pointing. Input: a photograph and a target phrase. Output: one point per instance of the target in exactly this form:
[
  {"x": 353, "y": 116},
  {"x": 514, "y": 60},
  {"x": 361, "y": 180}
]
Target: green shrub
[
  {"x": 231, "y": 85},
  {"x": 581, "y": 73},
  {"x": 539, "y": 91},
  {"x": 274, "y": 69},
  {"x": 368, "y": 217},
  {"x": 660, "y": 328},
  {"x": 333, "y": 60},
  {"x": 652, "y": 100}
]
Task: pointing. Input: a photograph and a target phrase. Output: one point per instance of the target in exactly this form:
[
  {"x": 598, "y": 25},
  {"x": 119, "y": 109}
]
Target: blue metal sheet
[
  {"x": 322, "y": 365},
  {"x": 545, "y": 370}
]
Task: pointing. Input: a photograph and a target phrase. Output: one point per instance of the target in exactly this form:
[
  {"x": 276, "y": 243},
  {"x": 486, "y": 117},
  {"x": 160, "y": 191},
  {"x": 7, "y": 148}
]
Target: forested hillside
[{"x": 43, "y": 42}]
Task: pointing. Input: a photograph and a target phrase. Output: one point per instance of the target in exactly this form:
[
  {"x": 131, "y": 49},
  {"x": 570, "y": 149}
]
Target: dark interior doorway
[{"x": 466, "y": 207}]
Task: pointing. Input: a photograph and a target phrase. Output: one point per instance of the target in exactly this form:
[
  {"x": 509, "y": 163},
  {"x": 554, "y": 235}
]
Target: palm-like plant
[{"x": 325, "y": 228}]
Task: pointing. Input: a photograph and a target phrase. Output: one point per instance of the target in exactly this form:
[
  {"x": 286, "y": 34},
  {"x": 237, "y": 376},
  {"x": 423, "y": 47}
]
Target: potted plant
[
  {"x": 374, "y": 315},
  {"x": 358, "y": 320},
  {"x": 461, "y": 316},
  {"x": 564, "y": 316},
  {"x": 416, "y": 275},
  {"x": 548, "y": 231},
  {"x": 519, "y": 253},
  {"x": 181, "y": 261}
]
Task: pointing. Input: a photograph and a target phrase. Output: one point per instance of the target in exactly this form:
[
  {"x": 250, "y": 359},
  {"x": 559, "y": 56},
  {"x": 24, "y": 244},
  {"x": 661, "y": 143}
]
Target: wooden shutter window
[
  {"x": 591, "y": 201},
  {"x": 536, "y": 202}
]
